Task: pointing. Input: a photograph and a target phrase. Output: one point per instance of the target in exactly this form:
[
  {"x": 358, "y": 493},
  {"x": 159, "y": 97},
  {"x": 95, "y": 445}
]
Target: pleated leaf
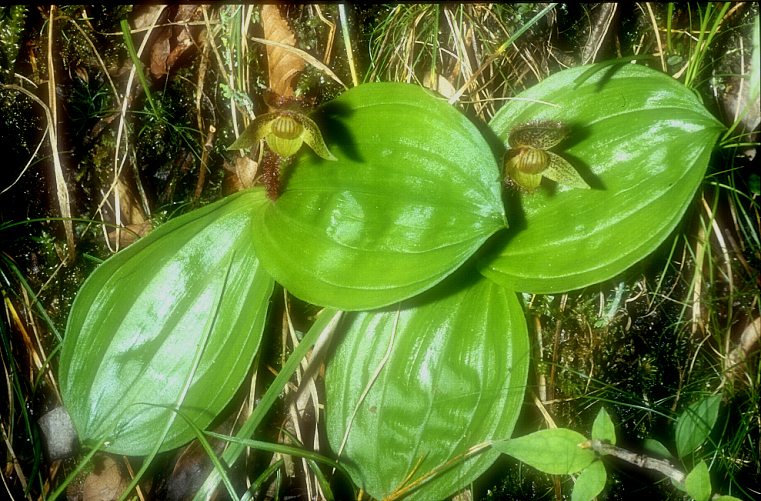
[
  {"x": 640, "y": 139},
  {"x": 454, "y": 378},
  {"x": 141, "y": 318},
  {"x": 414, "y": 193}
]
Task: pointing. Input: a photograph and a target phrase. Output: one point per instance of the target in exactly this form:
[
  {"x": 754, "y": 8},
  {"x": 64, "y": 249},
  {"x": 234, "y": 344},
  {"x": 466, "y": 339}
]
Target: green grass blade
[
  {"x": 325, "y": 324},
  {"x": 137, "y": 63}
]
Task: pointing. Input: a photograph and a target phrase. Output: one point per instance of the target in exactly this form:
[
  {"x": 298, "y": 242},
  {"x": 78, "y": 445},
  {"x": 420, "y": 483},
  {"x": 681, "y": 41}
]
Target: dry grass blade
[
  {"x": 499, "y": 51},
  {"x": 62, "y": 190},
  {"x": 31, "y": 160},
  {"x": 117, "y": 163},
  {"x": 33, "y": 350},
  {"x": 657, "y": 36},
  {"x": 347, "y": 43},
  {"x": 331, "y": 35},
  {"x": 402, "y": 490},
  {"x": 12, "y": 458},
  {"x": 283, "y": 65},
  {"x": 305, "y": 56},
  {"x": 100, "y": 60}
]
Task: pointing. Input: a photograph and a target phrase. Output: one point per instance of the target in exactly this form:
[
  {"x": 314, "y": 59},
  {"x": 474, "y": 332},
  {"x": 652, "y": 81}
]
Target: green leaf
[
  {"x": 414, "y": 193},
  {"x": 454, "y": 378},
  {"x": 138, "y": 321},
  {"x": 640, "y": 139},
  {"x": 727, "y": 498},
  {"x": 322, "y": 330},
  {"x": 555, "y": 451},
  {"x": 603, "y": 428},
  {"x": 698, "y": 482},
  {"x": 590, "y": 483},
  {"x": 696, "y": 423},
  {"x": 653, "y": 446}
]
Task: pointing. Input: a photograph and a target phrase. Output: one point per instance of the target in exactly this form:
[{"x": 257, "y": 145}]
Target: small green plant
[
  {"x": 90, "y": 101},
  {"x": 433, "y": 357},
  {"x": 561, "y": 451}
]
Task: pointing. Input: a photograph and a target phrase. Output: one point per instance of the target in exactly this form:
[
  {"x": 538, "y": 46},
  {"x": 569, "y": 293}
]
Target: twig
[
  {"x": 640, "y": 460},
  {"x": 199, "y": 94}
]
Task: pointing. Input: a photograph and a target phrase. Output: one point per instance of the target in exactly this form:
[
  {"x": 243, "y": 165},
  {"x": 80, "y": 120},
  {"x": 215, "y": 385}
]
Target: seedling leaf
[
  {"x": 696, "y": 423},
  {"x": 590, "y": 483},
  {"x": 603, "y": 428},
  {"x": 698, "y": 482}
]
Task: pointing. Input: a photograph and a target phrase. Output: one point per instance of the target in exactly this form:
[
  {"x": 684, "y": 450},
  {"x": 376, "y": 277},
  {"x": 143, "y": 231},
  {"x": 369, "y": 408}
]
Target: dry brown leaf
[
  {"x": 173, "y": 41},
  {"x": 130, "y": 234},
  {"x": 145, "y": 14},
  {"x": 183, "y": 38},
  {"x": 160, "y": 52},
  {"x": 129, "y": 203},
  {"x": 241, "y": 176},
  {"x": 284, "y": 66}
]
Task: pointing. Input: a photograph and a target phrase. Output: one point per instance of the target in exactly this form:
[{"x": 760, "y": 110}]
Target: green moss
[{"x": 12, "y": 19}]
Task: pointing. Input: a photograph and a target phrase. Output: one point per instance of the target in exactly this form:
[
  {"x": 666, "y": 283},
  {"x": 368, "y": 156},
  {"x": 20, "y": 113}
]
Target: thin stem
[{"x": 640, "y": 460}]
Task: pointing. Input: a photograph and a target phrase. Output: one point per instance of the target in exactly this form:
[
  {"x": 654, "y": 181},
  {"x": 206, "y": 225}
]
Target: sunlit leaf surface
[
  {"x": 454, "y": 378},
  {"x": 642, "y": 142},
  {"x": 414, "y": 193},
  {"x": 141, "y": 318}
]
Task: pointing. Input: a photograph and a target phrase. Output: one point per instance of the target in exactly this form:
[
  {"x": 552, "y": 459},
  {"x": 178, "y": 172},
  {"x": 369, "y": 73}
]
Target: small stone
[{"x": 60, "y": 437}]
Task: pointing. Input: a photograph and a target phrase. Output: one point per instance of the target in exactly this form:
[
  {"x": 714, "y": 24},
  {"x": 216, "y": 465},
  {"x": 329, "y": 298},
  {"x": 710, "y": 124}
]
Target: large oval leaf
[
  {"x": 454, "y": 378},
  {"x": 140, "y": 319},
  {"x": 640, "y": 139},
  {"x": 413, "y": 194}
]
